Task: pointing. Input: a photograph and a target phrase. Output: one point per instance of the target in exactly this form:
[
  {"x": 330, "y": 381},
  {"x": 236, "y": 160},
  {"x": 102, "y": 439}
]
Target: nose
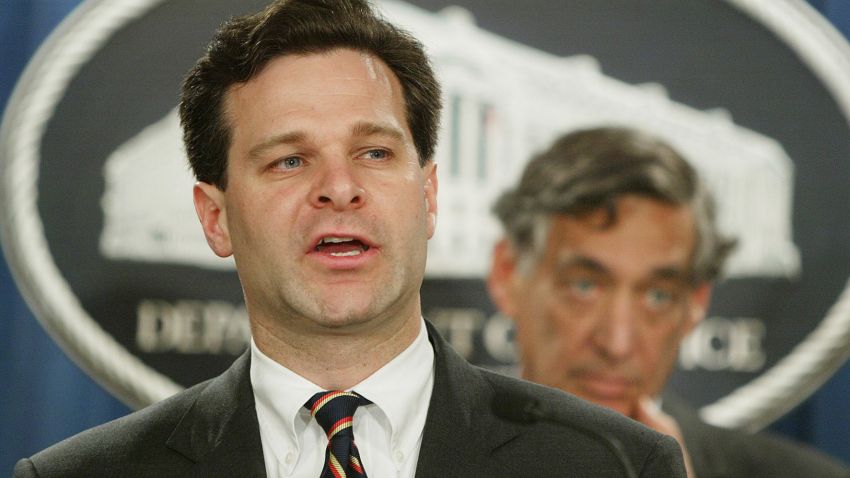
[
  {"x": 616, "y": 330},
  {"x": 336, "y": 186}
]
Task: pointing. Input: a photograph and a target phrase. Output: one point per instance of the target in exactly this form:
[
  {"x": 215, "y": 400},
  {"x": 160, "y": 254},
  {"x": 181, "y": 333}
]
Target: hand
[{"x": 650, "y": 414}]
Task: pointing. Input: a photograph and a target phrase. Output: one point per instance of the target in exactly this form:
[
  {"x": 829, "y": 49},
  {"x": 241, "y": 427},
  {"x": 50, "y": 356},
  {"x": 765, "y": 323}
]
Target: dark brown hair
[{"x": 242, "y": 47}]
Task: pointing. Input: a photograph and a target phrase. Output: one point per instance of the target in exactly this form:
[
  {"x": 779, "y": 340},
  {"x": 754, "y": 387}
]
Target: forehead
[
  {"x": 311, "y": 85},
  {"x": 336, "y": 66},
  {"x": 647, "y": 236}
]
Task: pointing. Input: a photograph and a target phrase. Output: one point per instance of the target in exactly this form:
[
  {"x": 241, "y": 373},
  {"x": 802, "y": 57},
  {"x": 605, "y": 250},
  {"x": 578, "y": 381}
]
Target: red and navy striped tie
[{"x": 334, "y": 411}]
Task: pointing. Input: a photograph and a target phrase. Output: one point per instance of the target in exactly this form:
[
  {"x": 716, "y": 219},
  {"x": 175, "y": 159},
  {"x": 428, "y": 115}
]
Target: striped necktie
[{"x": 334, "y": 411}]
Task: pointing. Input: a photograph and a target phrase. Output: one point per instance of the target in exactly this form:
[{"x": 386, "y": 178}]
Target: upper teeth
[{"x": 335, "y": 240}]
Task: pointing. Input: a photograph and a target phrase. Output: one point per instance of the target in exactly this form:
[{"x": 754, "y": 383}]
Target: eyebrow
[
  {"x": 276, "y": 140},
  {"x": 360, "y": 129},
  {"x": 366, "y": 128},
  {"x": 671, "y": 273},
  {"x": 664, "y": 272},
  {"x": 582, "y": 262}
]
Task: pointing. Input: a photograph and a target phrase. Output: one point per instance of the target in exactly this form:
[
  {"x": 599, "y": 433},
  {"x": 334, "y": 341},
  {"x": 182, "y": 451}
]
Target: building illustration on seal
[
  {"x": 110, "y": 258},
  {"x": 503, "y": 102}
]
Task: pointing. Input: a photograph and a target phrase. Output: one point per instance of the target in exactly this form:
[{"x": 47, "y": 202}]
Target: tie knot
[{"x": 334, "y": 410}]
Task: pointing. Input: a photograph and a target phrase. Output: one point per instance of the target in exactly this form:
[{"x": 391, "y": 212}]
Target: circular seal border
[
  {"x": 48, "y": 294},
  {"x": 39, "y": 90},
  {"x": 810, "y": 363}
]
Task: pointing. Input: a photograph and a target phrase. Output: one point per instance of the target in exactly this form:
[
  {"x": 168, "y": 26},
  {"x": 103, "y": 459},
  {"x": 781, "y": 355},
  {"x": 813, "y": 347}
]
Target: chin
[{"x": 342, "y": 319}]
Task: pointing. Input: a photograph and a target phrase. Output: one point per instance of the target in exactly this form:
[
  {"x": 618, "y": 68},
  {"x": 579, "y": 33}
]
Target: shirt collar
[
  {"x": 401, "y": 390},
  {"x": 280, "y": 395}
]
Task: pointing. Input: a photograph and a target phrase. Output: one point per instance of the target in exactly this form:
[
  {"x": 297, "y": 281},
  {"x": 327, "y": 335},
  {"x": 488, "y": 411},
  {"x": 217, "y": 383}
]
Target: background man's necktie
[{"x": 334, "y": 412}]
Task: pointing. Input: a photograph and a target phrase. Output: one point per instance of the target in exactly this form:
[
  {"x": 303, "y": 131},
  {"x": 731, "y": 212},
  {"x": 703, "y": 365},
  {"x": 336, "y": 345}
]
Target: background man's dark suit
[
  {"x": 723, "y": 453},
  {"x": 211, "y": 430}
]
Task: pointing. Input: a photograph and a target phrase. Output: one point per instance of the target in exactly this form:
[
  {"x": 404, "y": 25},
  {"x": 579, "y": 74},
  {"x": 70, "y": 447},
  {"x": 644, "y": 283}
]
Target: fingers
[{"x": 650, "y": 414}]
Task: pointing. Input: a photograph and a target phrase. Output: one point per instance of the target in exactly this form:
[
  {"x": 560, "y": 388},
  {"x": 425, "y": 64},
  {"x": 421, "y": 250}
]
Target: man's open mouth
[{"x": 341, "y": 246}]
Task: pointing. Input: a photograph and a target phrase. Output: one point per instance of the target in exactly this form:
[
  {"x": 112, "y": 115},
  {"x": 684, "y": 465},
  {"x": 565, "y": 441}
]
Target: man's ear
[
  {"x": 700, "y": 298},
  {"x": 501, "y": 282},
  {"x": 431, "y": 196},
  {"x": 211, "y": 210}
]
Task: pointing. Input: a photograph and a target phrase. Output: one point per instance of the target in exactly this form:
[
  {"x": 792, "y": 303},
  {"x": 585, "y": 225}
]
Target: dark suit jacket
[
  {"x": 722, "y": 453},
  {"x": 479, "y": 424}
]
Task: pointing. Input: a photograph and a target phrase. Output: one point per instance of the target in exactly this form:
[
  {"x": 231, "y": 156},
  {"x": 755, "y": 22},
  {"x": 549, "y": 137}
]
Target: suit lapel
[
  {"x": 221, "y": 435},
  {"x": 220, "y": 432},
  {"x": 459, "y": 431}
]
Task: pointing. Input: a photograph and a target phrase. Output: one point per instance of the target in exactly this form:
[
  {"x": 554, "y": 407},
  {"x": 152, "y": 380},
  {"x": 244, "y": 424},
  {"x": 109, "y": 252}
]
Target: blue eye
[
  {"x": 582, "y": 286},
  {"x": 376, "y": 154},
  {"x": 291, "y": 162},
  {"x": 659, "y": 297}
]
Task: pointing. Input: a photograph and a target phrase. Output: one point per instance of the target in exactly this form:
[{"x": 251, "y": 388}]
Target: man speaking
[{"x": 311, "y": 127}]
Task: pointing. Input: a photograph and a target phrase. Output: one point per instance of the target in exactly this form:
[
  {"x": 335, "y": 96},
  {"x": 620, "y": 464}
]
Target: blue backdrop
[{"x": 46, "y": 397}]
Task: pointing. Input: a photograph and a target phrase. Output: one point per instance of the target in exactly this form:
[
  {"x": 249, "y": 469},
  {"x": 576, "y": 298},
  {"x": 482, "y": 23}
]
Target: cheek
[
  {"x": 398, "y": 201},
  {"x": 551, "y": 344},
  {"x": 247, "y": 242},
  {"x": 660, "y": 354},
  {"x": 259, "y": 220},
  {"x": 569, "y": 321},
  {"x": 549, "y": 326}
]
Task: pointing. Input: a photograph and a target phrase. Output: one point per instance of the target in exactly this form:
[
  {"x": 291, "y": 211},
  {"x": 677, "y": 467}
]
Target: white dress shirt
[{"x": 388, "y": 432}]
